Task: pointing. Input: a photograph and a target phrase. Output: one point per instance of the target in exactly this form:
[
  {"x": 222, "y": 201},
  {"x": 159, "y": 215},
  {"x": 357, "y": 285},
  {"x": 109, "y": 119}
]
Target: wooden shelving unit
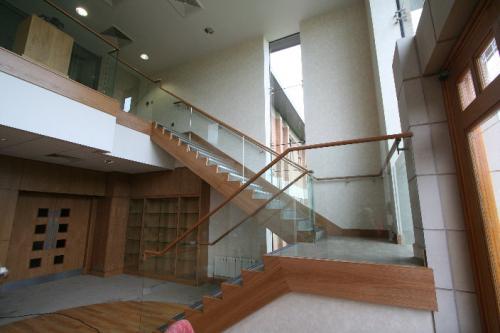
[{"x": 153, "y": 224}]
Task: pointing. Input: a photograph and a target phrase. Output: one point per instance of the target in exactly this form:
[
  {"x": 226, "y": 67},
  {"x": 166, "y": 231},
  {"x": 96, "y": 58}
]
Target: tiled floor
[
  {"x": 354, "y": 249},
  {"x": 87, "y": 289}
]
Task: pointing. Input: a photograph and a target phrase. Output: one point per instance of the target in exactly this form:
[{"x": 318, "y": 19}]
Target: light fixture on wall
[
  {"x": 209, "y": 30},
  {"x": 144, "y": 56},
  {"x": 3, "y": 139},
  {"x": 82, "y": 11}
]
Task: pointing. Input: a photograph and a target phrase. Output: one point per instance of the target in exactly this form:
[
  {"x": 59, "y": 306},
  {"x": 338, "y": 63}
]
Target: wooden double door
[{"x": 49, "y": 235}]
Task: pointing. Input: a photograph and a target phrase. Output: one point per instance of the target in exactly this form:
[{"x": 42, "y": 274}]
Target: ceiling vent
[
  {"x": 116, "y": 36},
  {"x": 186, "y": 7}
]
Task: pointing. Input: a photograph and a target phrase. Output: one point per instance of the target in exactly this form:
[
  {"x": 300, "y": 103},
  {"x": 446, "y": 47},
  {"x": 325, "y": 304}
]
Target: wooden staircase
[
  {"x": 248, "y": 200},
  {"x": 402, "y": 286}
]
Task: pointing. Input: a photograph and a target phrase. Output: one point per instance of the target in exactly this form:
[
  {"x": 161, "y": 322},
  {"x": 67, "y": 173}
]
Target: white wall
[
  {"x": 31, "y": 108},
  {"x": 138, "y": 147},
  {"x": 307, "y": 313},
  {"x": 340, "y": 103},
  {"x": 228, "y": 84}
]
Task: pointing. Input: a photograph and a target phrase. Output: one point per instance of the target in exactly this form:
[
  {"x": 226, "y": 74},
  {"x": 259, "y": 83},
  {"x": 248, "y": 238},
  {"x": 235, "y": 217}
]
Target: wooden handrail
[
  {"x": 149, "y": 253},
  {"x": 393, "y": 149},
  {"x": 209, "y": 116},
  {"x": 116, "y": 47},
  {"x": 256, "y": 211}
]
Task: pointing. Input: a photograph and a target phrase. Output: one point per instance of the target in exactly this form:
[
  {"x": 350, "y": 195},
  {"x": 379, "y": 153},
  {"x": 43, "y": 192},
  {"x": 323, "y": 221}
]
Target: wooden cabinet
[
  {"x": 154, "y": 223},
  {"x": 42, "y": 42}
]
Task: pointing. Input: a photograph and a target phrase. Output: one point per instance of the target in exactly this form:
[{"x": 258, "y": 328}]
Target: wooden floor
[{"x": 101, "y": 318}]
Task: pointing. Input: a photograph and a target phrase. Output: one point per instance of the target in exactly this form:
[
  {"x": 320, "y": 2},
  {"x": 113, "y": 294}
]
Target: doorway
[{"x": 49, "y": 235}]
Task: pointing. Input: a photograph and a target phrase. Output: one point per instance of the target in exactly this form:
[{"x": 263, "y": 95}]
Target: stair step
[
  {"x": 292, "y": 214},
  {"x": 210, "y": 302},
  {"x": 276, "y": 204},
  {"x": 229, "y": 289},
  {"x": 249, "y": 275},
  {"x": 192, "y": 312},
  {"x": 260, "y": 194},
  {"x": 223, "y": 167}
]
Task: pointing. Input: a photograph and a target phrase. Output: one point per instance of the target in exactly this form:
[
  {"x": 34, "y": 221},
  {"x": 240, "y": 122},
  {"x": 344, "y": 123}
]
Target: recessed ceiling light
[
  {"x": 144, "y": 56},
  {"x": 209, "y": 30},
  {"x": 108, "y": 162},
  {"x": 82, "y": 11},
  {"x": 4, "y": 139}
]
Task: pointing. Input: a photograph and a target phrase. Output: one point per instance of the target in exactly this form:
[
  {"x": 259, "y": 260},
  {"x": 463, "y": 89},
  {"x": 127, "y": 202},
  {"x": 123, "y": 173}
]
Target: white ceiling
[
  {"x": 157, "y": 29},
  {"x": 36, "y": 147}
]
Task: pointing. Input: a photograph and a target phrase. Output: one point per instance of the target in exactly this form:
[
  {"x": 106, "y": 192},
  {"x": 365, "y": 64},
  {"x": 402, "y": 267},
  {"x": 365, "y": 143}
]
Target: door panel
[{"x": 49, "y": 235}]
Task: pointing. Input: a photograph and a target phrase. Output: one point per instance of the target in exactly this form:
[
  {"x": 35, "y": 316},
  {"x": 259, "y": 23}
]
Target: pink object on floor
[{"x": 181, "y": 326}]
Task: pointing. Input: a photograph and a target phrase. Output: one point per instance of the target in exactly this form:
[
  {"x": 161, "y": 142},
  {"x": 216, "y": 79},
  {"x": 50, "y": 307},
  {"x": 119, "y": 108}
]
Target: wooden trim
[
  {"x": 87, "y": 261},
  {"x": 387, "y": 160},
  {"x": 391, "y": 285},
  {"x": 402, "y": 286},
  {"x": 37, "y": 74},
  {"x": 133, "y": 122},
  {"x": 205, "y": 114},
  {"x": 42, "y": 76},
  {"x": 461, "y": 124}
]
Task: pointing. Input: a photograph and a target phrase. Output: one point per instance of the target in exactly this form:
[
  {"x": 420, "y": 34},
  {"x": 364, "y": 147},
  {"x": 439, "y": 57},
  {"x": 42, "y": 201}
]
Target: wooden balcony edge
[
  {"x": 46, "y": 78},
  {"x": 386, "y": 284}
]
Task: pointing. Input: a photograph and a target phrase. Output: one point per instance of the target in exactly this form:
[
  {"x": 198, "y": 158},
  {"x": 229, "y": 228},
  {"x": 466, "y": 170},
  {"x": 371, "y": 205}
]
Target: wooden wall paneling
[
  {"x": 8, "y": 202},
  {"x": 117, "y": 185},
  {"x": 87, "y": 262},
  {"x": 109, "y": 236},
  {"x": 111, "y": 226},
  {"x": 101, "y": 234},
  {"x": 45, "y": 177},
  {"x": 190, "y": 182},
  {"x": 180, "y": 181},
  {"x": 10, "y": 172},
  {"x": 35, "y": 176},
  {"x": 203, "y": 234},
  {"x": 87, "y": 182},
  {"x": 115, "y": 247}
]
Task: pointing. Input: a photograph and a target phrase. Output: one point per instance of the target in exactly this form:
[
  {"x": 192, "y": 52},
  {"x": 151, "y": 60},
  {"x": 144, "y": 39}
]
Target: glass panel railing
[
  {"x": 235, "y": 237},
  {"x": 45, "y": 35},
  {"x": 136, "y": 93},
  {"x": 342, "y": 211},
  {"x": 354, "y": 206}
]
